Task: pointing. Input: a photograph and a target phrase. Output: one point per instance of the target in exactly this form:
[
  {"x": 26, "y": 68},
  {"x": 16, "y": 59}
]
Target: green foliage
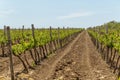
[
  {"x": 110, "y": 39},
  {"x": 26, "y": 40}
]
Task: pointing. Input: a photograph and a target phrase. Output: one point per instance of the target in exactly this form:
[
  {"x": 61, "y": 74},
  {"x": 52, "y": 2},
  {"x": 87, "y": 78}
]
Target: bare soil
[
  {"x": 83, "y": 62},
  {"x": 79, "y": 60}
]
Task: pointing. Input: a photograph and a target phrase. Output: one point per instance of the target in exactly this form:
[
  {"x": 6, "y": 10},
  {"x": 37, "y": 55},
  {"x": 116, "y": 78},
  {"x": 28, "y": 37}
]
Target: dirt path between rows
[
  {"x": 79, "y": 60},
  {"x": 82, "y": 63},
  {"x": 48, "y": 66}
]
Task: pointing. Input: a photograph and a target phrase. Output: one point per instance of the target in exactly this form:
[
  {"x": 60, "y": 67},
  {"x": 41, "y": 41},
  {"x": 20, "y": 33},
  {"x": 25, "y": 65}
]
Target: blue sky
[{"x": 58, "y": 13}]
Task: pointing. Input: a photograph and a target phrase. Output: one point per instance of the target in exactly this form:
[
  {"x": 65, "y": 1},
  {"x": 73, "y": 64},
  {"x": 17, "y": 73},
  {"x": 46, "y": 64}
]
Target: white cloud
[
  {"x": 75, "y": 15},
  {"x": 4, "y": 13}
]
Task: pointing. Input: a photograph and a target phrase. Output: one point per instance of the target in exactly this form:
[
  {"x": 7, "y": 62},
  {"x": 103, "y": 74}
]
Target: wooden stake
[
  {"x": 23, "y": 31},
  {"x": 33, "y": 34},
  {"x": 50, "y": 33},
  {"x": 51, "y": 46},
  {"x": 10, "y": 56},
  {"x": 5, "y": 32},
  {"x": 59, "y": 37}
]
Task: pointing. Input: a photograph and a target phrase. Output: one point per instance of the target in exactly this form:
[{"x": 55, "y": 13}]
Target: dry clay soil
[{"x": 79, "y": 60}]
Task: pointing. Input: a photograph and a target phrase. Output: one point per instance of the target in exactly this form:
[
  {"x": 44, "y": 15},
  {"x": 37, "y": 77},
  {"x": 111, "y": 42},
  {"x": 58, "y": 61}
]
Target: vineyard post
[
  {"x": 63, "y": 41},
  {"x": 96, "y": 36},
  {"x": 51, "y": 39},
  {"x": 35, "y": 42},
  {"x": 99, "y": 42},
  {"x": 10, "y": 55},
  {"x": 59, "y": 38},
  {"x": 107, "y": 54},
  {"x": 5, "y": 32},
  {"x": 50, "y": 33},
  {"x": 3, "y": 44},
  {"x": 33, "y": 33},
  {"x": 68, "y": 33},
  {"x": 23, "y": 31}
]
